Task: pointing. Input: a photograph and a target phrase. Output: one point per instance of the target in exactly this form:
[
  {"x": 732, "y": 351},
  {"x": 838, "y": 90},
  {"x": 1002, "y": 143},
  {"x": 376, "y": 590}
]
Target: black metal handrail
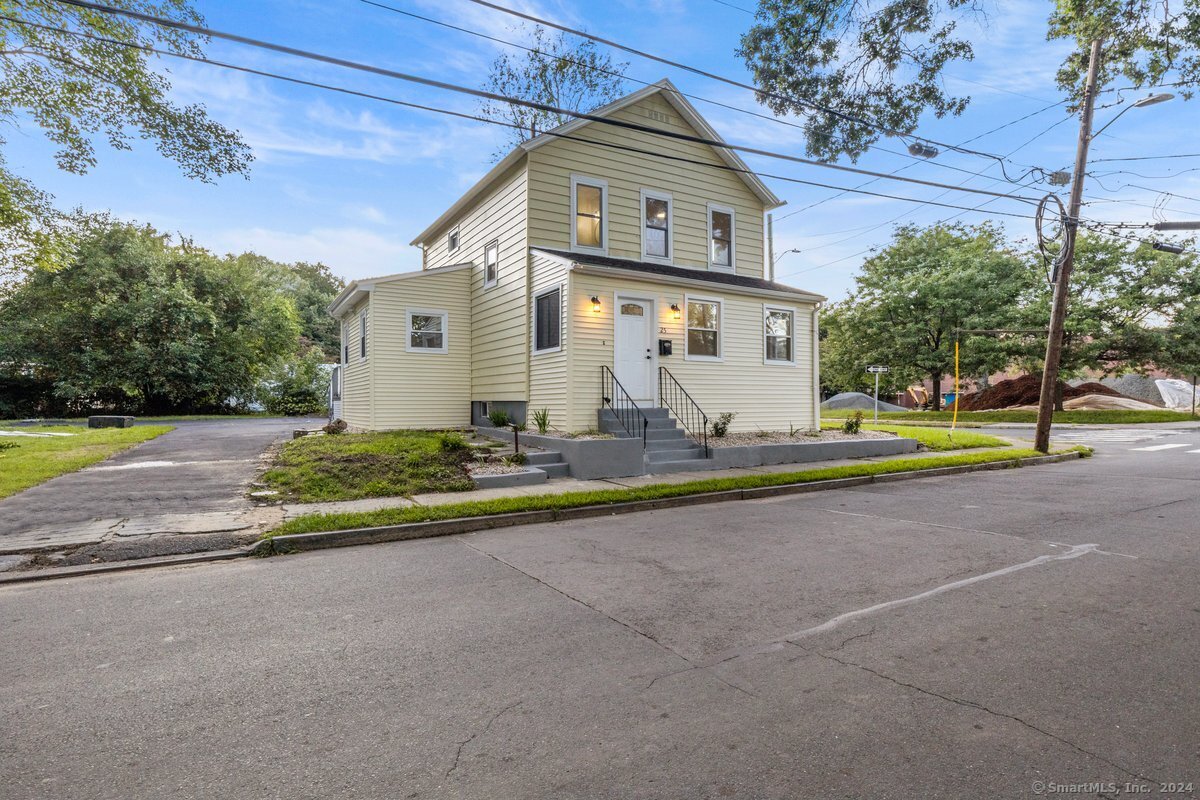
[
  {"x": 673, "y": 396},
  {"x": 614, "y": 396}
]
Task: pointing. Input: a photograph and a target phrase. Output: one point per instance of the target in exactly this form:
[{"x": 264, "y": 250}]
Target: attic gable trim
[
  {"x": 690, "y": 115},
  {"x": 366, "y": 285},
  {"x": 464, "y": 202}
]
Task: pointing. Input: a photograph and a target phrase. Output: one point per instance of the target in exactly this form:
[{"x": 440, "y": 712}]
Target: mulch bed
[{"x": 1024, "y": 391}]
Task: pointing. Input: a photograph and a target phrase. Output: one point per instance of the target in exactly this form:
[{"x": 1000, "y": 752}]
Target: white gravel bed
[
  {"x": 746, "y": 438},
  {"x": 494, "y": 469}
]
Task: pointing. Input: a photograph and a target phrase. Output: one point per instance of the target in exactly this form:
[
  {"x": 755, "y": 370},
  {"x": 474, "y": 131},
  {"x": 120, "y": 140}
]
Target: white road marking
[{"x": 1159, "y": 447}]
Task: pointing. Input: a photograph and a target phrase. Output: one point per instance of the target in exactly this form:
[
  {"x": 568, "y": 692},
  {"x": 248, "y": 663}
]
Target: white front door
[{"x": 634, "y": 356}]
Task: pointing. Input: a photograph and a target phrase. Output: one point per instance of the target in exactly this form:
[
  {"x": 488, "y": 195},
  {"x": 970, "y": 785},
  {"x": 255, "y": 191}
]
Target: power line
[
  {"x": 462, "y": 115},
  {"x": 1146, "y": 158},
  {"x": 479, "y": 93},
  {"x": 721, "y": 78},
  {"x": 623, "y": 77},
  {"x": 736, "y": 8}
]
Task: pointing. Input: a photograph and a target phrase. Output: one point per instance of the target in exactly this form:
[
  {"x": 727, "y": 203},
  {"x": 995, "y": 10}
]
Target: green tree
[
  {"x": 311, "y": 288},
  {"x": 911, "y": 298},
  {"x": 884, "y": 62},
  {"x": 1121, "y": 293},
  {"x": 137, "y": 324},
  {"x": 1180, "y": 354},
  {"x": 556, "y": 70},
  {"x": 77, "y": 90}
]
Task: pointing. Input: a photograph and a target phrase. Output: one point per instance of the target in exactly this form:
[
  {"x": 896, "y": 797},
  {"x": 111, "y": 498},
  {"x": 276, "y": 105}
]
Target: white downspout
[
  {"x": 816, "y": 368},
  {"x": 769, "y": 267}
]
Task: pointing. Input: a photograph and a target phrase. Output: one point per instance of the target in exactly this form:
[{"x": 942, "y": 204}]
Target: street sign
[{"x": 876, "y": 369}]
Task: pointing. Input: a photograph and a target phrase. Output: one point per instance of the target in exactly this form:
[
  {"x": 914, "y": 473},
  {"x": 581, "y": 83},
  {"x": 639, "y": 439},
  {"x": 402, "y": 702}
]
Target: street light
[
  {"x": 1150, "y": 100},
  {"x": 781, "y": 255}
]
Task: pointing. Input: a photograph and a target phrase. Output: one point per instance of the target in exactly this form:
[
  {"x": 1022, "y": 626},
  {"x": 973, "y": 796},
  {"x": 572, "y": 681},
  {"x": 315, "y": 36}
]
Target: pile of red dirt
[{"x": 1024, "y": 391}]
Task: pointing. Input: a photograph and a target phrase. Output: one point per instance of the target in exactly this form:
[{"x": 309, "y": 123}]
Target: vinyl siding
[
  {"x": 764, "y": 396},
  {"x": 549, "y": 386},
  {"x": 499, "y": 338},
  {"x": 356, "y": 381},
  {"x": 415, "y": 389},
  {"x": 692, "y": 187}
]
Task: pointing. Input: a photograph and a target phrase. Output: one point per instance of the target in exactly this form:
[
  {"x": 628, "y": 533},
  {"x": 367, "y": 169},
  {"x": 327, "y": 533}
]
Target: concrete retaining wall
[
  {"x": 756, "y": 455},
  {"x": 587, "y": 459}
]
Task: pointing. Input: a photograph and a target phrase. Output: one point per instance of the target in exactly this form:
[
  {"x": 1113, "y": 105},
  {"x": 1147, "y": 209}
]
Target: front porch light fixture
[
  {"x": 675, "y": 312},
  {"x": 595, "y": 304}
]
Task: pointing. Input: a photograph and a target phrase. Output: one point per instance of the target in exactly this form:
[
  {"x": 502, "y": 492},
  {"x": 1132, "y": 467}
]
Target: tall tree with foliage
[
  {"x": 136, "y": 323},
  {"x": 1180, "y": 353},
  {"x": 912, "y": 297},
  {"x": 1121, "y": 294},
  {"x": 844, "y": 64},
  {"x": 77, "y": 90},
  {"x": 555, "y": 69},
  {"x": 311, "y": 287}
]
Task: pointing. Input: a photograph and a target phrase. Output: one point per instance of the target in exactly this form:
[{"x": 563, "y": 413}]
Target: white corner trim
[
  {"x": 656, "y": 194},
  {"x": 732, "y": 268},
  {"x": 561, "y": 288},
  {"x": 409, "y": 313},
  {"x": 689, "y": 298},
  {"x": 600, "y": 183},
  {"x": 778, "y": 362}
]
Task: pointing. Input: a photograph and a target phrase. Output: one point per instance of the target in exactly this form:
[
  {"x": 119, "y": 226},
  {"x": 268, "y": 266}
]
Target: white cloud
[{"x": 351, "y": 252}]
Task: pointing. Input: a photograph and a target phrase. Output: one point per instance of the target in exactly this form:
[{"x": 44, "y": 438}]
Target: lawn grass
[
  {"x": 352, "y": 466},
  {"x": 34, "y": 460},
  {"x": 933, "y": 438},
  {"x": 1117, "y": 417},
  {"x": 311, "y": 523}
]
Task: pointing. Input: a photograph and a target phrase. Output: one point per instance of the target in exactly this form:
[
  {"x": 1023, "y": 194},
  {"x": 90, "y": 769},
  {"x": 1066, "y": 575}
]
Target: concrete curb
[
  {"x": 300, "y": 542},
  {"x": 82, "y": 570}
]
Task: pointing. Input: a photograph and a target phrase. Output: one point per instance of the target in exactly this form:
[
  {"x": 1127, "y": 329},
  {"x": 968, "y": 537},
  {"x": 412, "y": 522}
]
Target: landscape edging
[{"x": 299, "y": 542}]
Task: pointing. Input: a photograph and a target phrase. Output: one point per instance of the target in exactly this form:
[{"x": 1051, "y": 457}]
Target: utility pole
[{"x": 1062, "y": 286}]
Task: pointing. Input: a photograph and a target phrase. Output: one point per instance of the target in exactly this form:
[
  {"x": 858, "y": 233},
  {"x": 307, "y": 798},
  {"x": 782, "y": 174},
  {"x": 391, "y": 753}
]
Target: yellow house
[{"x": 596, "y": 268}]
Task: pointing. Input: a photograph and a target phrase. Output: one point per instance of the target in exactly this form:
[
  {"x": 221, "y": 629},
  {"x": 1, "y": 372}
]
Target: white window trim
[
  {"x": 409, "y": 313},
  {"x": 732, "y": 238},
  {"x": 577, "y": 180},
  {"x": 345, "y": 349},
  {"x": 767, "y": 309},
  {"x": 689, "y": 298},
  {"x": 658, "y": 195},
  {"x": 561, "y": 288},
  {"x": 364, "y": 341},
  {"x": 496, "y": 244},
  {"x": 453, "y": 236}
]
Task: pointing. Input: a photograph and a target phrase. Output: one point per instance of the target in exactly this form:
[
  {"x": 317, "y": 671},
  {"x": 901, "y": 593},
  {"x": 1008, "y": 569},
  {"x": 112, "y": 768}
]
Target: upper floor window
[
  {"x": 720, "y": 238},
  {"x": 779, "y": 325},
  {"x": 491, "y": 264},
  {"x": 589, "y": 214},
  {"x": 656, "y": 225},
  {"x": 362, "y": 338},
  {"x": 426, "y": 331},
  {"x": 452, "y": 240}
]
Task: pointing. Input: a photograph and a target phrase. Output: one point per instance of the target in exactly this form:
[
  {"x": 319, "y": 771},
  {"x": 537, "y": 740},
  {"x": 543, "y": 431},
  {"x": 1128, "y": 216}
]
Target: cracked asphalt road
[{"x": 943, "y": 638}]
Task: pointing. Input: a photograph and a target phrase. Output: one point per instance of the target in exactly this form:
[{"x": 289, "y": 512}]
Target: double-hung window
[
  {"x": 703, "y": 341},
  {"x": 779, "y": 332},
  {"x": 720, "y": 238},
  {"x": 491, "y": 264},
  {"x": 426, "y": 331},
  {"x": 656, "y": 225},
  {"x": 547, "y": 320},
  {"x": 362, "y": 336},
  {"x": 589, "y": 214},
  {"x": 452, "y": 240}
]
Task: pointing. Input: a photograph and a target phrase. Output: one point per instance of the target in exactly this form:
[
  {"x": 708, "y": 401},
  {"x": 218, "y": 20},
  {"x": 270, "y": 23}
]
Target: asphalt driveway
[{"x": 201, "y": 466}]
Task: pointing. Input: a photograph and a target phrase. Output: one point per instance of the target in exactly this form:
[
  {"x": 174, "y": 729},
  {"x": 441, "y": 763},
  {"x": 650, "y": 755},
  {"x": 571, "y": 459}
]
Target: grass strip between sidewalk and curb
[{"x": 313, "y": 531}]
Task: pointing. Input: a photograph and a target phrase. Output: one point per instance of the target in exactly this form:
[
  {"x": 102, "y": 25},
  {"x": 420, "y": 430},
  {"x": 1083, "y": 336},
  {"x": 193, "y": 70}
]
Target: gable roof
[
  {"x": 670, "y": 94},
  {"x": 651, "y": 270}
]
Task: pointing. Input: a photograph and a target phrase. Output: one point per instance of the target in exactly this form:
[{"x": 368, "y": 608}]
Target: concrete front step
[
  {"x": 537, "y": 459},
  {"x": 651, "y": 412},
  {"x": 669, "y": 444},
  {"x": 690, "y": 465},
  {"x": 560, "y": 470}
]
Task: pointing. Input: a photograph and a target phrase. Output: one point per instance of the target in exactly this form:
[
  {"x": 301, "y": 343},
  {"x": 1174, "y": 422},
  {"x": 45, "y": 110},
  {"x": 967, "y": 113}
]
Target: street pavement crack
[
  {"x": 461, "y": 745},
  {"x": 979, "y": 707}
]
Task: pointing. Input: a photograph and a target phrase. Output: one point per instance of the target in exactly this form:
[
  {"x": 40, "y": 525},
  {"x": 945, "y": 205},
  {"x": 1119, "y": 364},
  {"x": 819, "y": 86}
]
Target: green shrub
[
  {"x": 451, "y": 442},
  {"x": 7, "y": 445},
  {"x": 853, "y": 423},
  {"x": 720, "y": 425},
  {"x": 499, "y": 418},
  {"x": 541, "y": 418},
  {"x": 517, "y": 459}
]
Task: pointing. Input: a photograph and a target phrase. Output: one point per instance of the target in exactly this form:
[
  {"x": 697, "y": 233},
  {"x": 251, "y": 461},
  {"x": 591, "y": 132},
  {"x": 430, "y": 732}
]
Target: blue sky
[{"x": 349, "y": 181}]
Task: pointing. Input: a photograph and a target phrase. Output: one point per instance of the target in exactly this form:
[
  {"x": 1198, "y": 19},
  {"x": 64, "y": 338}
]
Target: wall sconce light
[
  {"x": 675, "y": 310},
  {"x": 595, "y": 304}
]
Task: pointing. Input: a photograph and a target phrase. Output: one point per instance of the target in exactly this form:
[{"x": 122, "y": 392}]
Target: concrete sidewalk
[{"x": 566, "y": 485}]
